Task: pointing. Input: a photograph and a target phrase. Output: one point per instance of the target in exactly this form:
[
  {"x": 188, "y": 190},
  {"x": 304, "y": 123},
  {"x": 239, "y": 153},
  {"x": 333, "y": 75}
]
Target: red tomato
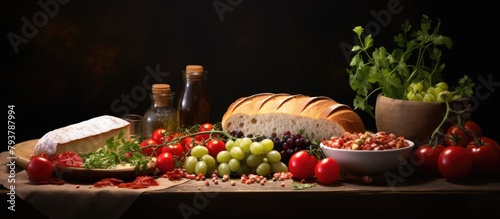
[
  {"x": 188, "y": 143},
  {"x": 454, "y": 163},
  {"x": 149, "y": 147},
  {"x": 485, "y": 157},
  {"x": 175, "y": 149},
  {"x": 302, "y": 164},
  {"x": 488, "y": 141},
  {"x": 39, "y": 169},
  {"x": 455, "y": 136},
  {"x": 203, "y": 128},
  {"x": 172, "y": 136},
  {"x": 215, "y": 146},
  {"x": 159, "y": 135},
  {"x": 425, "y": 159},
  {"x": 327, "y": 171},
  {"x": 165, "y": 162}
]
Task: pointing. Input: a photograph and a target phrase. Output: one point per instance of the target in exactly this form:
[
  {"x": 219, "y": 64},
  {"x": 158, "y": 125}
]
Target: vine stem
[{"x": 433, "y": 140}]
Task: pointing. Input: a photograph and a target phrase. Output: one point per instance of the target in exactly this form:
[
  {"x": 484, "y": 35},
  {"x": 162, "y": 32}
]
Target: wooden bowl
[{"x": 414, "y": 120}]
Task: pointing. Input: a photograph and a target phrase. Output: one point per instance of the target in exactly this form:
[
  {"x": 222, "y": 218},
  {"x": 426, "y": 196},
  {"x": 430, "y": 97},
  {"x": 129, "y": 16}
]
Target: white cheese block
[{"x": 82, "y": 137}]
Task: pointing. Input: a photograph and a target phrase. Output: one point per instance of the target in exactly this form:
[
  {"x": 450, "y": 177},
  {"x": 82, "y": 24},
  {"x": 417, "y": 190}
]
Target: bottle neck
[
  {"x": 195, "y": 76},
  {"x": 162, "y": 100}
]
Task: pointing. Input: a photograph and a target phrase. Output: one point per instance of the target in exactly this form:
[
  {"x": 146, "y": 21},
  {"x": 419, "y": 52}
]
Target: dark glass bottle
[
  {"x": 161, "y": 113},
  {"x": 194, "y": 103}
]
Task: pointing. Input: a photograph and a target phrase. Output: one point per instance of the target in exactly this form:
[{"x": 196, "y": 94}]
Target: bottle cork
[
  {"x": 161, "y": 88},
  {"x": 194, "y": 69},
  {"x": 161, "y": 94}
]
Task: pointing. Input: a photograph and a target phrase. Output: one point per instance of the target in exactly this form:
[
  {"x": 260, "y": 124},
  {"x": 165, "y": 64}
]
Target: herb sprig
[
  {"x": 416, "y": 59},
  {"x": 116, "y": 151}
]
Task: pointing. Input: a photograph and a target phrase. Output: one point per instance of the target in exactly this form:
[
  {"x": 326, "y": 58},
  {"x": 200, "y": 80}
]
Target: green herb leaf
[
  {"x": 417, "y": 59},
  {"x": 300, "y": 186},
  {"x": 115, "y": 152}
]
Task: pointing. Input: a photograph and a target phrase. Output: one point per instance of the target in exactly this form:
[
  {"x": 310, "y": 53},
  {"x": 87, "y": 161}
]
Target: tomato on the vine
[
  {"x": 165, "y": 162},
  {"x": 188, "y": 143},
  {"x": 327, "y": 171},
  {"x": 215, "y": 146},
  {"x": 485, "y": 155},
  {"x": 177, "y": 150},
  {"x": 302, "y": 164},
  {"x": 488, "y": 141},
  {"x": 425, "y": 159},
  {"x": 39, "y": 169},
  {"x": 149, "y": 147},
  {"x": 203, "y": 128},
  {"x": 454, "y": 163},
  {"x": 455, "y": 136},
  {"x": 159, "y": 135}
]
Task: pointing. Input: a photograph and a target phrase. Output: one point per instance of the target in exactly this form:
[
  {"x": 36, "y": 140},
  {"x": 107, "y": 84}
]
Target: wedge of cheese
[{"x": 82, "y": 137}]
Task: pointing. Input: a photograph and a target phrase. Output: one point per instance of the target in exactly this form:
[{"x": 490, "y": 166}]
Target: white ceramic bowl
[{"x": 368, "y": 162}]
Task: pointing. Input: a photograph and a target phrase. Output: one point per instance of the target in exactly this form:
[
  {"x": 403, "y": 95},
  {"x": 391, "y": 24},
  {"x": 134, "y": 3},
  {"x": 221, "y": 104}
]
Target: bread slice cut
[
  {"x": 266, "y": 113},
  {"x": 83, "y": 137}
]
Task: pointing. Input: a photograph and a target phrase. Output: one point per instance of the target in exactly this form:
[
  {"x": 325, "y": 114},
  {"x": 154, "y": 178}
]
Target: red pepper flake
[
  {"x": 68, "y": 158},
  {"x": 139, "y": 182},
  {"x": 108, "y": 182},
  {"x": 174, "y": 175}
]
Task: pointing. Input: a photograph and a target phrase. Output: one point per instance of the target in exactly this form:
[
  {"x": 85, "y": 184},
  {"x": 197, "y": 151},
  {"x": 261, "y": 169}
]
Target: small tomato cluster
[
  {"x": 307, "y": 164},
  {"x": 171, "y": 148},
  {"x": 464, "y": 152}
]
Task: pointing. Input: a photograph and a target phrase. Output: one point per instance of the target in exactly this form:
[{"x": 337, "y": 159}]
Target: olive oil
[{"x": 161, "y": 113}]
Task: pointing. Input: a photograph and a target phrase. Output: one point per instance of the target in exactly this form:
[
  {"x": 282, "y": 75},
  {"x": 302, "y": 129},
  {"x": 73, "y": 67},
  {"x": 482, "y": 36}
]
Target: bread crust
[{"x": 320, "y": 111}]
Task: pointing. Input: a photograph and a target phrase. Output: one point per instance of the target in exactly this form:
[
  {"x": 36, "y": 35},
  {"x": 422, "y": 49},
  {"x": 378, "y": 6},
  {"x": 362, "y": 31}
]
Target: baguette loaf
[
  {"x": 82, "y": 137},
  {"x": 267, "y": 113}
]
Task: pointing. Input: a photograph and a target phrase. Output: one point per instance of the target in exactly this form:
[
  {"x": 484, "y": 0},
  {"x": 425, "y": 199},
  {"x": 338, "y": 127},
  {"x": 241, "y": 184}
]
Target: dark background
[{"x": 89, "y": 54}]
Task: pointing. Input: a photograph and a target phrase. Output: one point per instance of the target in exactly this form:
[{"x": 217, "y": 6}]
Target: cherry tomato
[
  {"x": 302, "y": 164},
  {"x": 327, "y": 171},
  {"x": 173, "y": 135},
  {"x": 165, "y": 162},
  {"x": 176, "y": 150},
  {"x": 188, "y": 143},
  {"x": 149, "y": 147},
  {"x": 203, "y": 128},
  {"x": 215, "y": 146},
  {"x": 425, "y": 159},
  {"x": 454, "y": 163},
  {"x": 485, "y": 157},
  {"x": 39, "y": 169},
  {"x": 159, "y": 135},
  {"x": 455, "y": 136}
]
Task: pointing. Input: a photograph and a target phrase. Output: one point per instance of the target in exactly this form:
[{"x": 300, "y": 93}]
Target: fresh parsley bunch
[{"x": 410, "y": 71}]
